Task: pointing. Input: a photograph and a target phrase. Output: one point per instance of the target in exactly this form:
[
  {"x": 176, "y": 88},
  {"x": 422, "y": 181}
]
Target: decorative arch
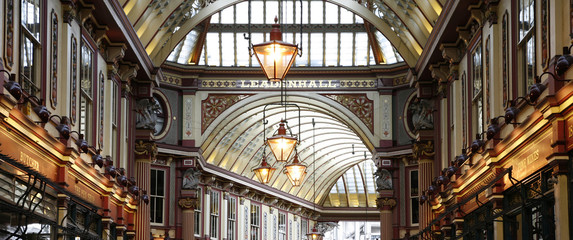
[
  {"x": 234, "y": 140},
  {"x": 160, "y": 46}
]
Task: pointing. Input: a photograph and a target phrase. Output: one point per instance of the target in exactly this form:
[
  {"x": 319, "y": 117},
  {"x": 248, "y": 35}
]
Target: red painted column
[
  {"x": 188, "y": 205},
  {"x": 424, "y": 152},
  {"x": 385, "y": 206},
  {"x": 144, "y": 153}
]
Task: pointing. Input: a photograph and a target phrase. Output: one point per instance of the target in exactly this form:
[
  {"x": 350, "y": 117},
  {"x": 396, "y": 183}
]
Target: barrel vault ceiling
[{"x": 337, "y": 149}]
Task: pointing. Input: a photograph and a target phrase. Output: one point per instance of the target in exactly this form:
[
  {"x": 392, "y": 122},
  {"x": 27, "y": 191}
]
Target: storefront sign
[
  {"x": 569, "y": 133},
  {"x": 531, "y": 157},
  {"x": 26, "y": 155},
  {"x": 290, "y": 84},
  {"x": 85, "y": 193}
]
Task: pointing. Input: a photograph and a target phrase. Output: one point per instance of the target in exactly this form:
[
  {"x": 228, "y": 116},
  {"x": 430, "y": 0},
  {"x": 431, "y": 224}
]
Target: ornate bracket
[{"x": 188, "y": 203}]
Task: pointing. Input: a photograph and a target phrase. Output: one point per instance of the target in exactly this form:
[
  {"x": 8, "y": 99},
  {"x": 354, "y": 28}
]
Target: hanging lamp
[
  {"x": 264, "y": 172},
  {"x": 275, "y": 56},
  {"x": 282, "y": 144},
  {"x": 295, "y": 171}
]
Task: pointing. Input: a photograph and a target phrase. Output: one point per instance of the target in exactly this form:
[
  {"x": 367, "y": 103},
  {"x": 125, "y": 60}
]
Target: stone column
[
  {"x": 424, "y": 152},
  {"x": 145, "y": 152},
  {"x": 385, "y": 206},
  {"x": 63, "y": 201},
  {"x": 561, "y": 192},
  {"x": 188, "y": 204}
]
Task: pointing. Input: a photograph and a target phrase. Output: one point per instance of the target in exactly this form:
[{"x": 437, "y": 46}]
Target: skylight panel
[
  {"x": 258, "y": 18},
  {"x": 272, "y": 10},
  {"x": 316, "y": 12},
  {"x": 361, "y": 47},
  {"x": 227, "y": 15},
  {"x": 331, "y": 11},
  {"x": 331, "y": 49},
  {"x": 228, "y": 49},
  {"x": 316, "y": 49},
  {"x": 346, "y": 17},
  {"x": 350, "y": 181},
  {"x": 304, "y": 12},
  {"x": 242, "y": 9},
  {"x": 187, "y": 47},
  {"x": 215, "y": 18},
  {"x": 303, "y": 60},
  {"x": 212, "y": 47},
  {"x": 389, "y": 52},
  {"x": 346, "y": 49}
]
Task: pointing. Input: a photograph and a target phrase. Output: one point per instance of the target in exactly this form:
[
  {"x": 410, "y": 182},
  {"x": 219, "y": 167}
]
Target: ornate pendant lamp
[
  {"x": 275, "y": 56},
  {"x": 295, "y": 171},
  {"x": 314, "y": 234},
  {"x": 282, "y": 144},
  {"x": 264, "y": 172}
]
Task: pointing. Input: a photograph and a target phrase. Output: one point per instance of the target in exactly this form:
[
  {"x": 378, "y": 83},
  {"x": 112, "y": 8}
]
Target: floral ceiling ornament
[
  {"x": 215, "y": 104},
  {"x": 359, "y": 104}
]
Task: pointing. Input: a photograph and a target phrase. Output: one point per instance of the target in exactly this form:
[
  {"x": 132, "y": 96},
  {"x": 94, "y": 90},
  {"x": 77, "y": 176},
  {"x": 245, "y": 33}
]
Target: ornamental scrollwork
[
  {"x": 145, "y": 148},
  {"x": 385, "y": 202},
  {"x": 423, "y": 149},
  {"x": 188, "y": 203}
]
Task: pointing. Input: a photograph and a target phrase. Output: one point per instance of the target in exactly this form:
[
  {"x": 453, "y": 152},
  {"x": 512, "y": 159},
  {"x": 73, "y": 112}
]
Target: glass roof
[
  {"x": 331, "y": 36},
  {"x": 330, "y": 149}
]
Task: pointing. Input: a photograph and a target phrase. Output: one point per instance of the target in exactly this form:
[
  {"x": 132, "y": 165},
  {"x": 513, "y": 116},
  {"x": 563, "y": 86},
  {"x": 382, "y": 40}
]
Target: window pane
[
  {"x": 227, "y": 15},
  {"x": 304, "y": 12},
  {"x": 272, "y": 11},
  {"x": 331, "y": 49},
  {"x": 242, "y": 10},
  {"x": 228, "y": 48},
  {"x": 332, "y": 13},
  {"x": 303, "y": 60},
  {"x": 316, "y": 49},
  {"x": 361, "y": 47},
  {"x": 346, "y": 48},
  {"x": 316, "y": 12},
  {"x": 212, "y": 49}
]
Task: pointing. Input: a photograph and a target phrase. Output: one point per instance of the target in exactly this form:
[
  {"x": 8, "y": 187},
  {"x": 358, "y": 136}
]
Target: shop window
[
  {"x": 526, "y": 44},
  {"x": 478, "y": 224},
  {"x": 255, "y": 222},
  {"x": 282, "y": 226},
  {"x": 86, "y": 89},
  {"x": 530, "y": 208},
  {"x": 114, "y": 118},
  {"x": 414, "y": 198},
  {"x": 304, "y": 227},
  {"x": 214, "y": 215},
  {"x": 231, "y": 218},
  {"x": 157, "y": 196},
  {"x": 198, "y": 222},
  {"x": 478, "y": 91},
  {"x": 30, "y": 50}
]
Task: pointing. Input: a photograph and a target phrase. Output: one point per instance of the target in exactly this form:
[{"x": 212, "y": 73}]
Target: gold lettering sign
[
  {"x": 29, "y": 161},
  {"x": 569, "y": 131},
  {"x": 532, "y": 156},
  {"x": 84, "y": 194},
  {"x": 290, "y": 84}
]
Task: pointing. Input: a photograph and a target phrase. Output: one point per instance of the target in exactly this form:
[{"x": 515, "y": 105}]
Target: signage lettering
[
  {"x": 289, "y": 84},
  {"x": 84, "y": 194},
  {"x": 29, "y": 161}
]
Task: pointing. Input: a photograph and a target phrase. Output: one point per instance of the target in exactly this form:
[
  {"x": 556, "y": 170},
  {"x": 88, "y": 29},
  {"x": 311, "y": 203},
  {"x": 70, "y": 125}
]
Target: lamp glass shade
[
  {"x": 295, "y": 172},
  {"x": 276, "y": 58},
  {"x": 314, "y": 235},
  {"x": 282, "y": 144},
  {"x": 264, "y": 172}
]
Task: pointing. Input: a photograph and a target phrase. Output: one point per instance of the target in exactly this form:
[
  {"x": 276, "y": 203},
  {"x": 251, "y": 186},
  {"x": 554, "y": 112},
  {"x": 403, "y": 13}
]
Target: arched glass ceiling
[
  {"x": 332, "y": 36},
  {"x": 330, "y": 149},
  {"x": 354, "y": 188}
]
